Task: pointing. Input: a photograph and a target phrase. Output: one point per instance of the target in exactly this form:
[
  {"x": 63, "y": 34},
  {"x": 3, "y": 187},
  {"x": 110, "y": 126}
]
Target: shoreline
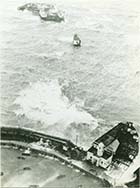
[
  {"x": 37, "y": 142},
  {"x": 21, "y": 146}
]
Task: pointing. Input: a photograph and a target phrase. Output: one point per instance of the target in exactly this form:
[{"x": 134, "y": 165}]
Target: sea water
[{"x": 76, "y": 93}]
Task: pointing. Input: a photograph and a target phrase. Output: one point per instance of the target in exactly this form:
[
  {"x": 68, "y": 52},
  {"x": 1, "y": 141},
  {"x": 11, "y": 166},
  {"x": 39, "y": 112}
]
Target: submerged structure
[{"x": 46, "y": 12}]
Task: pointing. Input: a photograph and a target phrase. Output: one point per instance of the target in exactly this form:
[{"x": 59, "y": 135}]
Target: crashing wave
[{"x": 45, "y": 102}]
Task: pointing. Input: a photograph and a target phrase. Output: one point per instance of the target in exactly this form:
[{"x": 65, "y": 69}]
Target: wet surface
[
  {"x": 45, "y": 172},
  {"x": 101, "y": 80}
]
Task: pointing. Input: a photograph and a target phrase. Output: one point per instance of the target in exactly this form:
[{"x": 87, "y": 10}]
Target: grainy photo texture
[{"x": 70, "y": 93}]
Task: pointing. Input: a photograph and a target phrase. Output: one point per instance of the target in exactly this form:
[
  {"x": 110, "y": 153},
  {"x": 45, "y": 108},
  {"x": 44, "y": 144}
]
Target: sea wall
[
  {"x": 55, "y": 155},
  {"x": 25, "y": 135},
  {"x": 23, "y": 138}
]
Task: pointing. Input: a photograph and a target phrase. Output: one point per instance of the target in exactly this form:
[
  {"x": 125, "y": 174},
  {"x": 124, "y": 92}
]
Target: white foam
[{"x": 45, "y": 102}]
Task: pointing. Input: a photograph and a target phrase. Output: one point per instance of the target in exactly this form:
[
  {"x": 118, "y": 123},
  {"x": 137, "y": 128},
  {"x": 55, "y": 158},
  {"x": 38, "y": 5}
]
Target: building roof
[
  {"x": 122, "y": 139},
  {"x": 106, "y": 154},
  {"x": 109, "y": 136},
  {"x": 114, "y": 145},
  {"x": 119, "y": 132}
]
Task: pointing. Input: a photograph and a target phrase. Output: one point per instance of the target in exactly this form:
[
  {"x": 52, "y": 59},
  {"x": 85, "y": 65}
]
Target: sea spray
[{"x": 45, "y": 102}]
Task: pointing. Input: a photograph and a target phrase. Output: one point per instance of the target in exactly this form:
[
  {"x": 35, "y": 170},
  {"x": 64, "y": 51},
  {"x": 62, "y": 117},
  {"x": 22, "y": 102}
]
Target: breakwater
[
  {"x": 46, "y": 145},
  {"x": 22, "y": 138},
  {"x": 64, "y": 146}
]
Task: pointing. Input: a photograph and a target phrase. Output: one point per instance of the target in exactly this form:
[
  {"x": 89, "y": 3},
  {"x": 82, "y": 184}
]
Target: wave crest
[{"x": 45, "y": 102}]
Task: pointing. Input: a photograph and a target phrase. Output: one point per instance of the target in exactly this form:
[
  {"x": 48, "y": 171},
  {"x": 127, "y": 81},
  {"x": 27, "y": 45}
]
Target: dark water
[
  {"x": 48, "y": 173},
  {"x": 135, "y": 183},
  {"x": 49, "y": 85}
]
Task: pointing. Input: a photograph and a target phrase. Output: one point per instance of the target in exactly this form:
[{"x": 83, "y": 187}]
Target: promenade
[{"x": 44, "y": 152}]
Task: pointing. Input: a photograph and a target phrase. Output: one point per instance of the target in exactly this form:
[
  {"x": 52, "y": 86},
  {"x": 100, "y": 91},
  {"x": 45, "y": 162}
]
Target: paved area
[{"x": 42, "y": 171}]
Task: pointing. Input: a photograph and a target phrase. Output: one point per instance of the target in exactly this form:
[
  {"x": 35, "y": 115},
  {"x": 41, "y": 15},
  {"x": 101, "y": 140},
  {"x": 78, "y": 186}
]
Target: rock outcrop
[{"x": 44, "y": 11}]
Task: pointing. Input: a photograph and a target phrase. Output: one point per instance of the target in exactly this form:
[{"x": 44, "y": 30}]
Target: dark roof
[
  {"x": 93, "y": 150},
  {"x": 114, "y": 133},
  {"x": 109, "y": 136},
  {"x": 128, "y": 145},
  {"x": 106, "y": 153}
]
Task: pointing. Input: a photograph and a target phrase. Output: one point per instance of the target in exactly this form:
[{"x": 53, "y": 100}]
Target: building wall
[
  {"x": 104, "y": 163},
  {"x": 92, "y": 158},
  {"x": 99, "y": 161}
]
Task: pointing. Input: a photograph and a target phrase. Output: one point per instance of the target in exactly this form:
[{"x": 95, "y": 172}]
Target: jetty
[{"x": 103, "y": 160}]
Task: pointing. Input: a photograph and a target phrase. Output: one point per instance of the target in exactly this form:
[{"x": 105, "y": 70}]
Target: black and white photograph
[{"x": 70, "y": 93}]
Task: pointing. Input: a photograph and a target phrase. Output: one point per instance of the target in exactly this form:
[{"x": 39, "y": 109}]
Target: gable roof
[
  {"x": 106, "y": 154},
  {"x": 113, "y": 146}
]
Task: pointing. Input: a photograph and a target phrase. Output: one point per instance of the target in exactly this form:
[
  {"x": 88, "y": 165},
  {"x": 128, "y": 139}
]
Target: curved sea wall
[
  {"x": 25, "y": 135},
  {"x": 22, "y": 138},
  {"x": 63, "y": 149}
]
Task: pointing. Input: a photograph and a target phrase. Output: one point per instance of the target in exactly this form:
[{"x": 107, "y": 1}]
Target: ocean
[{"x": 75, "y": 93}]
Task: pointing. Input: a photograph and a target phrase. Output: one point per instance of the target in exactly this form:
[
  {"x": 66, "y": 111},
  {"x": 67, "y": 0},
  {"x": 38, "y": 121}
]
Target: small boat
[
  {"x": 76, "y": 41},
  {"x": 34, "y": 186},
  {"x": 20, "y": 157},
  {"x": 27, "y": 168},
  {"x": 27, "y": 152},
  {"x": 61, "y": 176}
]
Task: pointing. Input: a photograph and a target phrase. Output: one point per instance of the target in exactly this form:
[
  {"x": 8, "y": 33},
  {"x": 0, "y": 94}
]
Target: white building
[{"x": 100, "y": 155}]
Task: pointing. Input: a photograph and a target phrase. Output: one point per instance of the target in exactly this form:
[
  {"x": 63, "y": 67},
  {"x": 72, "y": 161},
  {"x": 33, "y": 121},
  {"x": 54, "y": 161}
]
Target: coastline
[
  {"x": 51, "y": 153},
  {"x": 37, "y": 142},
  {"x": 16, "y": 140},
  {"x": 80, "y": 165}
]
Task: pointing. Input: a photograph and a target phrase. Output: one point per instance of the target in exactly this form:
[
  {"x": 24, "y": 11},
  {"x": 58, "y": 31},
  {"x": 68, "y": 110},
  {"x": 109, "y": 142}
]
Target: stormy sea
[{"x": 75, "y": 93}]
